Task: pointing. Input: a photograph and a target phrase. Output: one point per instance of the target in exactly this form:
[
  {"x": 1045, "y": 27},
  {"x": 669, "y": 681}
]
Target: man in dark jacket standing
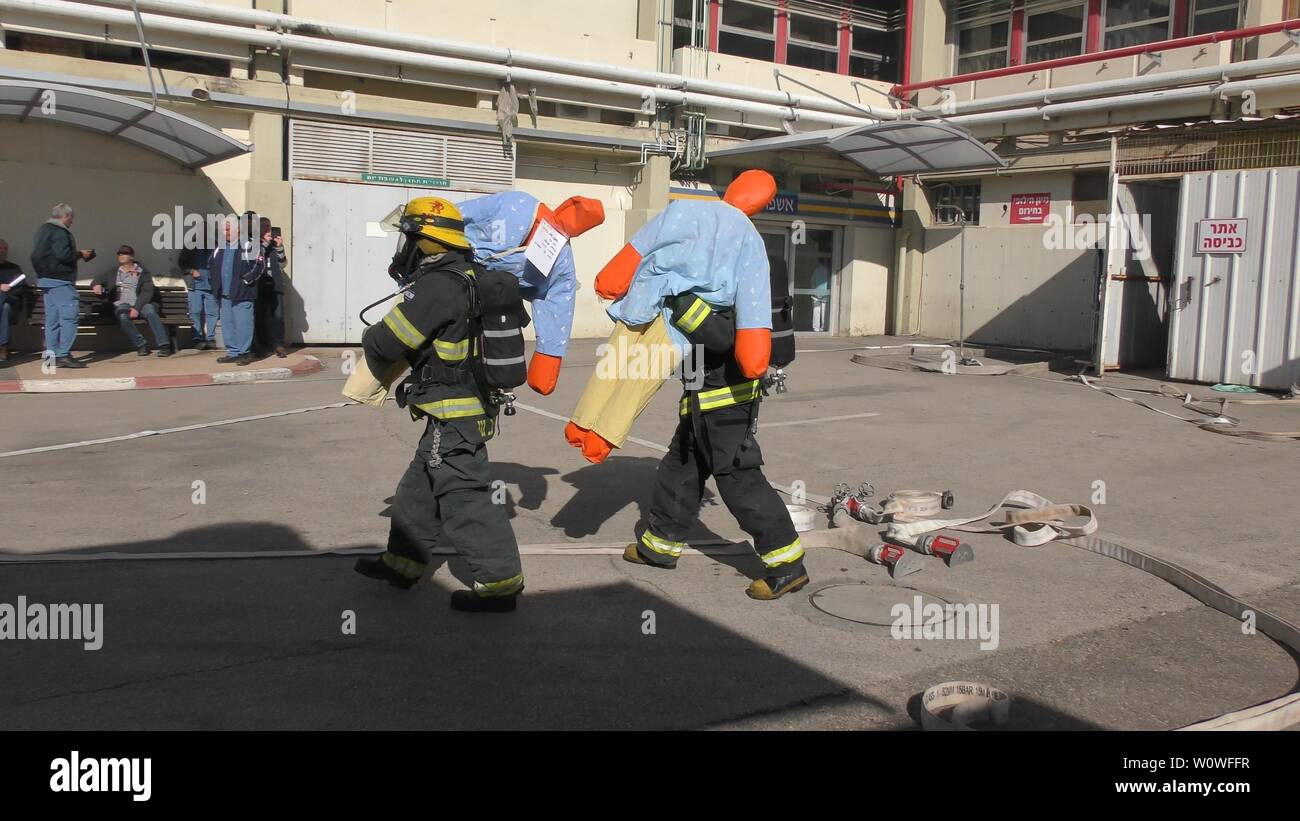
[
  {"x": 54, "y": 260},
  {"x": 195, "y": 264},
  {"x": 131, "y": 289},
  {"x": 236, "y": 267}
]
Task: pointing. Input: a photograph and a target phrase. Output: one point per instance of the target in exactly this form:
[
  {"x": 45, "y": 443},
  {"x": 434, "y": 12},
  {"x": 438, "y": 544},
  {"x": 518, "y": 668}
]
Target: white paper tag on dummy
[{"x": 545, "y": 247}]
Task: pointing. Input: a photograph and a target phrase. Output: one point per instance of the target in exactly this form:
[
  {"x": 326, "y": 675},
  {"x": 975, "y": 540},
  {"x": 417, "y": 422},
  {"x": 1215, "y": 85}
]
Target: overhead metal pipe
[
  {"x": 61, "y": 9},
  {"x": 501, "y": 56},
  {"x": 903, "y": 90},
  {"x": 1055, "y": 110},
  {"x": 1126, "y": 85}
]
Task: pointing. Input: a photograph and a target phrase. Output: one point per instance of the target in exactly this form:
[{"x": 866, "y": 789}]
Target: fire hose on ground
[{"x": 1030, "y": 520}]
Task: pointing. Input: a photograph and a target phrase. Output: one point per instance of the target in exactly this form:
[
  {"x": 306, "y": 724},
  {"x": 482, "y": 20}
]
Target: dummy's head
[
  {"x": 578, "y": 215},
  {"x": 751, "y": 191}
]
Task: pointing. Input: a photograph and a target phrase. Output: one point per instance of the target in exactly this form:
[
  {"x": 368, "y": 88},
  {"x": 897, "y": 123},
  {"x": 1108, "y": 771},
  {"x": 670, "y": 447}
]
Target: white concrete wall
[
  {"x": 996, "y": 194},
  {"x": 577, "y": 29},
  {"x": 864, "y": 280},
  {"x": 1019, "y": 291},
  {"x": 553, "y": 178}
]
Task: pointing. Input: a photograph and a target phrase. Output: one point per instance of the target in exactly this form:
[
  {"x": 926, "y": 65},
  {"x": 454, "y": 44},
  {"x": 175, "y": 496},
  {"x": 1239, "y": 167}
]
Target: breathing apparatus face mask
[
  {"x": 402, "y": 268},
  {"x": 407, "y": 254}
]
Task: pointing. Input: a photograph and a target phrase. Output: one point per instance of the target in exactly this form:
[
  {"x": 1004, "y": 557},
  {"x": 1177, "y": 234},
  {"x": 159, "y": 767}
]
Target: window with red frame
[
  {"x": 983, "y": 33},
  {"x": 861, "y": 38}
]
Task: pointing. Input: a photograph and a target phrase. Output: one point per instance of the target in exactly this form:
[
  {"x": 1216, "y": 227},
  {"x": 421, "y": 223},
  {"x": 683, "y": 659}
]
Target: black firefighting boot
[
  {"x": 786, "y": 578},
  {"x": 467, "y": 601},
  {"x": 374, "y": 567},
  {"x": 636, "y": 554}
]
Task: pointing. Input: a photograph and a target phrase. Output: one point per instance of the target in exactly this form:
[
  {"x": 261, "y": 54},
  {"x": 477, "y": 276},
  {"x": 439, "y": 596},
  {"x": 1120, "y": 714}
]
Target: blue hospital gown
[
  {"x": 500, "y": 222},
  {"x": 707, "y": 248}
]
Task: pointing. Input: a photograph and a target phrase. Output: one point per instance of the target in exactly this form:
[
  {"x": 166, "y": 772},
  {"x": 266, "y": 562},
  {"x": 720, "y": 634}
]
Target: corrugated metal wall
[
  {"x": 1236, "y": 317},
  {"x": 1017, "y": 291}
]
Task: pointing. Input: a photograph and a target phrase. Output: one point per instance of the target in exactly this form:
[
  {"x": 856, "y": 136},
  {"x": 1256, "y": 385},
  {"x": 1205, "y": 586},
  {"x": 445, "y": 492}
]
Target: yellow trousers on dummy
[{"x": 632, "y": 367}]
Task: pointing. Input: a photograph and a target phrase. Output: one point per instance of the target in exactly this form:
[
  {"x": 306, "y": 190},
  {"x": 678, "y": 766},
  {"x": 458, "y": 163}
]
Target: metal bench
[{"x": 95, "y": 311}]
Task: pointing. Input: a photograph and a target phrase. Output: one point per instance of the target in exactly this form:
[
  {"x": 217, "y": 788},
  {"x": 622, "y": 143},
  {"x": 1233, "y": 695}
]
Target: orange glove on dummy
[
  {"x": 616, "y": 277},
  {"x": 751, "y": 192},
  {"x": 543, "y": 372},
  {"x": 753, "y": 350},
  {"x": 574, "y": 217}
]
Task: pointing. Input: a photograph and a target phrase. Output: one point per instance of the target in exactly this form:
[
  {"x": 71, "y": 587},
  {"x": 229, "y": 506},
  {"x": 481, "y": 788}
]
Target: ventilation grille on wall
[{"x": 340, "y": 151}]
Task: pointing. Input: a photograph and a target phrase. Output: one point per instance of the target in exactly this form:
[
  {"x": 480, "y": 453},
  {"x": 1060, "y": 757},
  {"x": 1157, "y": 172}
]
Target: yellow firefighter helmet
[{"x": 432, "y": 222}]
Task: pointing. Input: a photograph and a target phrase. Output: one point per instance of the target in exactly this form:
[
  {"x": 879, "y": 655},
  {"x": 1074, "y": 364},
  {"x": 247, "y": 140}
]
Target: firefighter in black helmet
[{"x": 444, "y": 496}]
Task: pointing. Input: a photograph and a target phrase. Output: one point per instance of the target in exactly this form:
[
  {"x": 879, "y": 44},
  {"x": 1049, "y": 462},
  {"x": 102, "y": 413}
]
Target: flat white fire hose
[
  {"x": 1214, "y": 421},
  {"x": 1031, "y": 520}
]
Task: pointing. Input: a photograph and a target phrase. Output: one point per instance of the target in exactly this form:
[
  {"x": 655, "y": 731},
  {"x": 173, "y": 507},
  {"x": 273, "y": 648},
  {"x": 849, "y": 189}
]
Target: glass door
[
  {"x": 814, "y": 267},
  {"x": 811, "y": 273}
]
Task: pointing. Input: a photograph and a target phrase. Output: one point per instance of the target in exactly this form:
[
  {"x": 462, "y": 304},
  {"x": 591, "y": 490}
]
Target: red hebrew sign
[
  {"x": 1030, "y": 209},
  {"x": 1221, "y": 236}
]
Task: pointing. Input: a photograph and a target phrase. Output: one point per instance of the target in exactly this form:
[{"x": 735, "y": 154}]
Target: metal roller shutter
[{"x": 352, "y": 152}]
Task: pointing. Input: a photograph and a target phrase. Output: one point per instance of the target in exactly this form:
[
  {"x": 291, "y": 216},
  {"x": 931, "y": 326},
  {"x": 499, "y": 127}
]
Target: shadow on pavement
[
  {"x": 260, "y": 643},
  {"x": 238, "y": 537}
]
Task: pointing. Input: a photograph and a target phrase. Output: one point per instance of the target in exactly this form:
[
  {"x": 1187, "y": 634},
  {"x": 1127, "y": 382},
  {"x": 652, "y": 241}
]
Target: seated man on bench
[{"x": 130, "y": 287}]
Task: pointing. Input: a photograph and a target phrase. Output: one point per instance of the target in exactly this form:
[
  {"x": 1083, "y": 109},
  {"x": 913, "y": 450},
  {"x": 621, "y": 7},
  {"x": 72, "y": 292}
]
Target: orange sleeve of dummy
[
  {"x": 753, "y": 349},
  {"x": 543, "y": 373},
  {"x": 613, "y": 280}
]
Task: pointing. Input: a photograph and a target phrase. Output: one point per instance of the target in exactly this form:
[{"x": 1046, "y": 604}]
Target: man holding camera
[{"x": 269, "y": 321}]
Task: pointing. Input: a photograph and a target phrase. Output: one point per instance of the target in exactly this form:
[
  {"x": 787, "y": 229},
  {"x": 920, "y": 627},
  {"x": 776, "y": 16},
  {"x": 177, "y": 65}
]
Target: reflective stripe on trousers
[
  {"x": 792, "y": 552},
  {"x": 409, "y": 568},
  {"x": 505, "y": 587},
  {"x": 662, "y": 546},
  {"x": 723, "y": 397}
]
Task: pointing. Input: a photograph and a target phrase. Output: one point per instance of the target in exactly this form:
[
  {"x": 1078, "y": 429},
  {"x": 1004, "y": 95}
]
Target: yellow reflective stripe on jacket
[
  {"x": 451, "y": 351},
  {"x": 694, "y": 315},
  {"x": 401, "y": 327},
  {"x": 662, "y": 546},
  {"x": 724, "y": 397},
  {"x": 453, "y": 408},
  {"x": 409, "y": 568},
  {"x": 784, "y": 555},
  {"x": 505, "y": 587}
]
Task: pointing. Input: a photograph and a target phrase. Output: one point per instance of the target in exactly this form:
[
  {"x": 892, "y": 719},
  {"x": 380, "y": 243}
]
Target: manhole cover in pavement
[{"x": 870, "y": 604}]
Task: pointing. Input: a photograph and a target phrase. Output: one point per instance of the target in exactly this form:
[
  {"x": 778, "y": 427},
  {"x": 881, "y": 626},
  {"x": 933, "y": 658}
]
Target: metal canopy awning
[
  {"x": 886, "y": 149},
  {"x": 188, "y": 142}
]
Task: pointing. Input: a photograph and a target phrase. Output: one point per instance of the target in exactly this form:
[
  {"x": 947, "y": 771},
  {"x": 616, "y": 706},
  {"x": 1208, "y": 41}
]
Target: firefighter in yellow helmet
[{"x": 444, "y": 496}]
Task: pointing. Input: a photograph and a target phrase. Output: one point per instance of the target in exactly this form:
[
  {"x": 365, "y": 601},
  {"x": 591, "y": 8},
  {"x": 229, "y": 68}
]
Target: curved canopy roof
[
  {"x": 889, "y": 148},
  {"x": 187, "y": 141}
]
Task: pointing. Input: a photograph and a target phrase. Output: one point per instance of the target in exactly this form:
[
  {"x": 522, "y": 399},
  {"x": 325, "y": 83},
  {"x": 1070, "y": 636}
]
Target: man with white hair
[
  {"x": 235, "y": 270},
  {"x": 54, "y": 259}
]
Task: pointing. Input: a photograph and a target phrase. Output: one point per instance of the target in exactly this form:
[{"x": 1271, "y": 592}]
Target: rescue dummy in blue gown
[
  {"x": 500, "y": 226},
  {"x": 709, "y": 249}
]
